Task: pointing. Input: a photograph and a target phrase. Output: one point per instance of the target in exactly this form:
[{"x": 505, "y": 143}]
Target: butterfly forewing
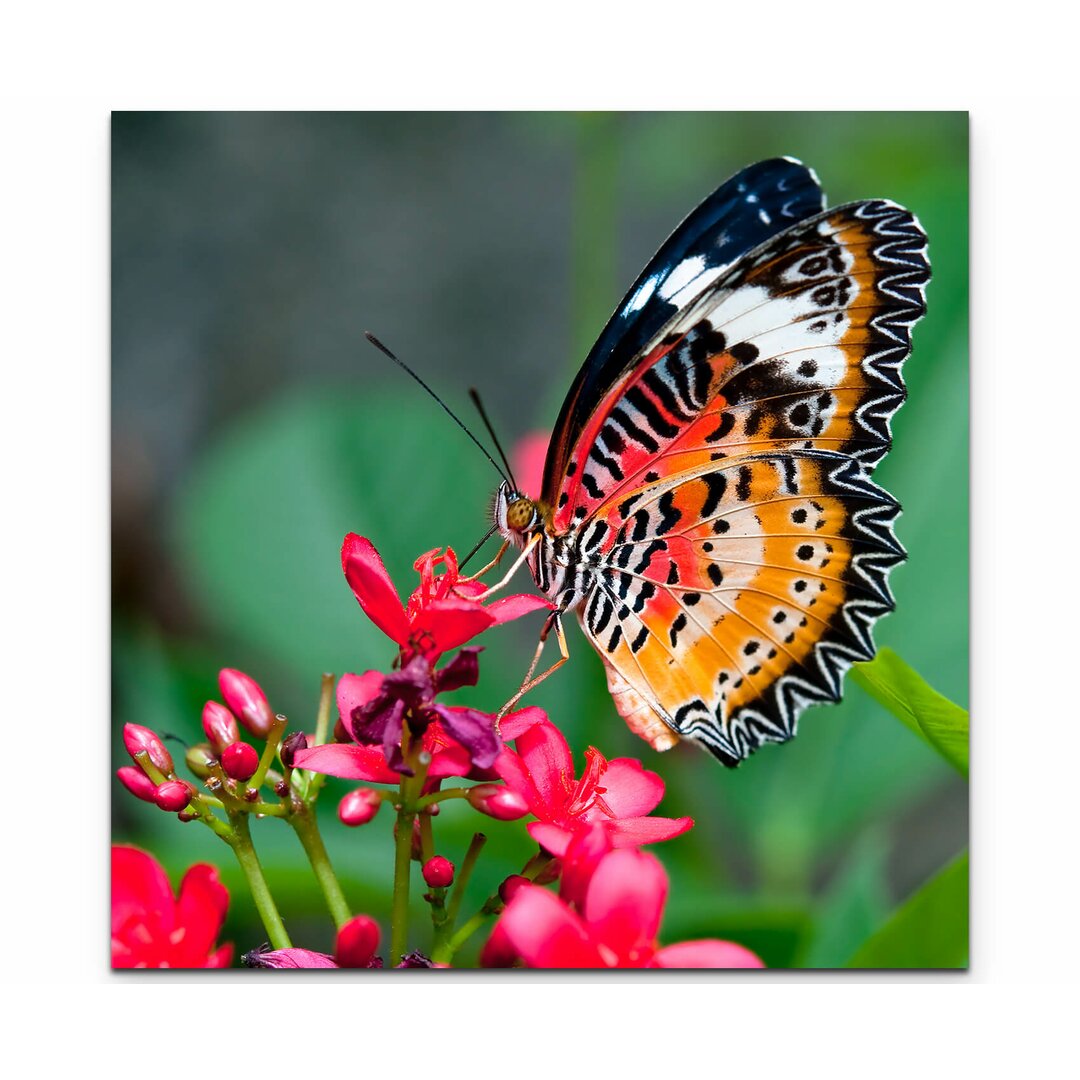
[{"x": 719, "y": 486}]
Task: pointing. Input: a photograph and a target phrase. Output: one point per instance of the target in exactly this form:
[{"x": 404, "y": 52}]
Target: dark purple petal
[
  {"x": 370, "y": 721},
  {"x": 414, "y": 960},
  {"x": 412, "y": 684},
  {"x": 463, "y": 670},
  {"x": 474, "y": 730}
]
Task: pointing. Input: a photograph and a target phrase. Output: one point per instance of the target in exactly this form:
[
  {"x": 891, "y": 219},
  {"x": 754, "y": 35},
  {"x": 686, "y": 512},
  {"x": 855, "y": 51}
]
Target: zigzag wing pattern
[{"x": 725, "y": 602}]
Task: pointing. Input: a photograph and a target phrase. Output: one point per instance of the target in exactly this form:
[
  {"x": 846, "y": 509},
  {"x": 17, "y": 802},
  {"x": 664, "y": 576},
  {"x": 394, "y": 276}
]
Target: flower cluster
[{"x": 395, "y": 734}]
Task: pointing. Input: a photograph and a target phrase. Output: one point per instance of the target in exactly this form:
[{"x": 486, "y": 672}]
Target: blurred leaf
[
  {"x": 852, "y": 908},
  {"x": 905, "y": 693},
  {"x": 930, "y": 930}
]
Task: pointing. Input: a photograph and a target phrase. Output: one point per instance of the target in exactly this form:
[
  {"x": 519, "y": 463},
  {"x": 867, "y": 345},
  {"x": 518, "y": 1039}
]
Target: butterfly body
[{"x": 707, "y": 505}]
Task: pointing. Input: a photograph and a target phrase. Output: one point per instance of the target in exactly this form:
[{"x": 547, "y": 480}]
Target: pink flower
[
  {"x": 620, "y": 794},
  {"x": 616, "y": 928},
  {"x": 152, "y": 930},
  {"x": 369, "y": 762},
  {"x": 441, "y": 614},
  {"x": 529, "y": 455}
]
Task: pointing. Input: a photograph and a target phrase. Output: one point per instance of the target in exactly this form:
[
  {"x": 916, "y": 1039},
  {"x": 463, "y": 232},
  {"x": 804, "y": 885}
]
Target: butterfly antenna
[
  {"x": 446, "y": 408},
  {"x": 486, "y": 537},
  {"x": 475, "y": 395}
]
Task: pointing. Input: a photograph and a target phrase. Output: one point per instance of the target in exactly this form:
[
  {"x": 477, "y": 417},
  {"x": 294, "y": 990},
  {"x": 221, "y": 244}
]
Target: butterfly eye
[{"x": 520, "y": 514}]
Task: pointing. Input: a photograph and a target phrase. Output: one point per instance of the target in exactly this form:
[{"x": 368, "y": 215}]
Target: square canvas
[{"x": 540, "y": 540}]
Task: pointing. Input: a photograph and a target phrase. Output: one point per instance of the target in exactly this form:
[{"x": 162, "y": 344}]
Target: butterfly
[{"x": 707, "y": 507}]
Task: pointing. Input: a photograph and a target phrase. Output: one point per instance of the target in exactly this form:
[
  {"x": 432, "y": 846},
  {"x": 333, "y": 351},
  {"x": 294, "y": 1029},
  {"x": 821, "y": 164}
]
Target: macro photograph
[{"x": 539, "y": 540}]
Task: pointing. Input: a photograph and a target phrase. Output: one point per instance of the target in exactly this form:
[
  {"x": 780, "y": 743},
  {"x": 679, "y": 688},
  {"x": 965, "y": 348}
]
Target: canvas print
[{"x": 540, "y": 541}]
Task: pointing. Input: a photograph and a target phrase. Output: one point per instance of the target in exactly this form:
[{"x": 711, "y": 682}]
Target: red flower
[
  {"x": 369, "y": 763},
  {"x": 620, "y": 794},
  {"x": 152, "y": 930},
  {"x": 616, "y": 928},
  {"x": 442, "y": 613}
]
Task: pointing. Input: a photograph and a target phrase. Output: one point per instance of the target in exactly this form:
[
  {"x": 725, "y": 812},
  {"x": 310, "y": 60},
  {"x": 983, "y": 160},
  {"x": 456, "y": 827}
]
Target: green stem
[
  {"x": 273, "y": 739},
  {"x": 442, "y": 796},
  {"x": 260, "y": 892},
  {"x": 307, "y": 829},
  {"x": 475, "y": 847},
  {"x": 399, "y": 908}
]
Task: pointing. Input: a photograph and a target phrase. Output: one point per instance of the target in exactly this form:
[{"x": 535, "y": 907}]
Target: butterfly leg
[
  {"x": 513, "y": 569},
  {"x": 529, "y": 683},
  {"x": 490, "y": 566}
]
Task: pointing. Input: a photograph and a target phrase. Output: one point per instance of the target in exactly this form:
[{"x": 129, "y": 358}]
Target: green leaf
[
  {"x": 930, "y": 930},
  {"x": 904, "y": 692},
  {"x": 854, "y": 905}
]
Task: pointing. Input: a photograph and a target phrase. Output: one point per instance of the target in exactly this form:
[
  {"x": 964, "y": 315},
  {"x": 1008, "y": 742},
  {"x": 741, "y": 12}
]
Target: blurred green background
[{"x": 253, "y": 427}]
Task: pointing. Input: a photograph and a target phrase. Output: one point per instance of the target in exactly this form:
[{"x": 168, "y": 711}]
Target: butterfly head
[{"x": 517, "y": 517}]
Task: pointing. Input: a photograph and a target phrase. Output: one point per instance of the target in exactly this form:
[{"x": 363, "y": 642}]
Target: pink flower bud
[
  {"x": 199, "y": 758},
  {"x": 357, "y": 941},
  {"x": 497, "y": 801},
  {"x": 137, "y": 782},
  {"x": 240, "y": 760},
  {"x": 220, "y": 725},
  {"x": 138, "y": 738},
  {"x": 438, "y": 872},
  {"x": 359, "y": 806},
  {"x": 245, "y": 698},
  {"x": 173, "y": 795},
  {"x": 509, "y": 888}
]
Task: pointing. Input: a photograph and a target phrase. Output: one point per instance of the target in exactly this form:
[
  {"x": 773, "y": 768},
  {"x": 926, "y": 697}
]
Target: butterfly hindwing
[{"x": 732, "y": 598}]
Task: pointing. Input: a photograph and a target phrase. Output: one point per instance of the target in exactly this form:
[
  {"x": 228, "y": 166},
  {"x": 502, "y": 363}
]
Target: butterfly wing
[
  {"x": 774, "y": 386},
  {"x": 756, "y": 203}
]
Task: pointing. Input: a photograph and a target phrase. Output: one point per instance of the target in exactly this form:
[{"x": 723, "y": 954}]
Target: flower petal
[
  {"x": 444, "y": 625},
  {"x": 580, "y": 860},
  {"x": 140, "y": 888},
  {"x": 347, "y": 761},
  {"x": 706, "y": 954},
  {"x": 463, "y": 670},
  {"x": 514, "y": 724},
  {"x": 545, "y": 933},
  {"x": 474, "y": 730},
  {"x": 626, "y": 900},
  {"x": 546, "y": 755},
  {"x": 288, "y": 958},
  {"x": 553, "y": 838},
  {"x": 508, "y": 608},
  {"x": 200, "y": 911},
  {"x": 371, "y": 584},
  {"x": 355, "y": 691},
  {"x": 633, "y": 832},
  {"x": 631, "y": 789},
  {"x": 509, "y": 767}
]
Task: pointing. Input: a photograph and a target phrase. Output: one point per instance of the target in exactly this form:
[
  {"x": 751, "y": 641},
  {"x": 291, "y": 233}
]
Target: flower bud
[
  {"x": 240, "y": 760},
  {"x": 173, "y": 795},
  {"x": 245, "y": 698},
  {"x": 438, "y": 872},
  {"x": 357, "y": 941},
  {"x": 137, "y": 782},
  {"x": 359, "y": 806},
  {"x": 497, "y": 801},
  {"x": 289, "y": 747},
  {"x": 508, "y": 889},
  {"x": 199, "y": 758},
  {"x": 220, "y": 725},
  {"x": 138, "y": 738}
]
